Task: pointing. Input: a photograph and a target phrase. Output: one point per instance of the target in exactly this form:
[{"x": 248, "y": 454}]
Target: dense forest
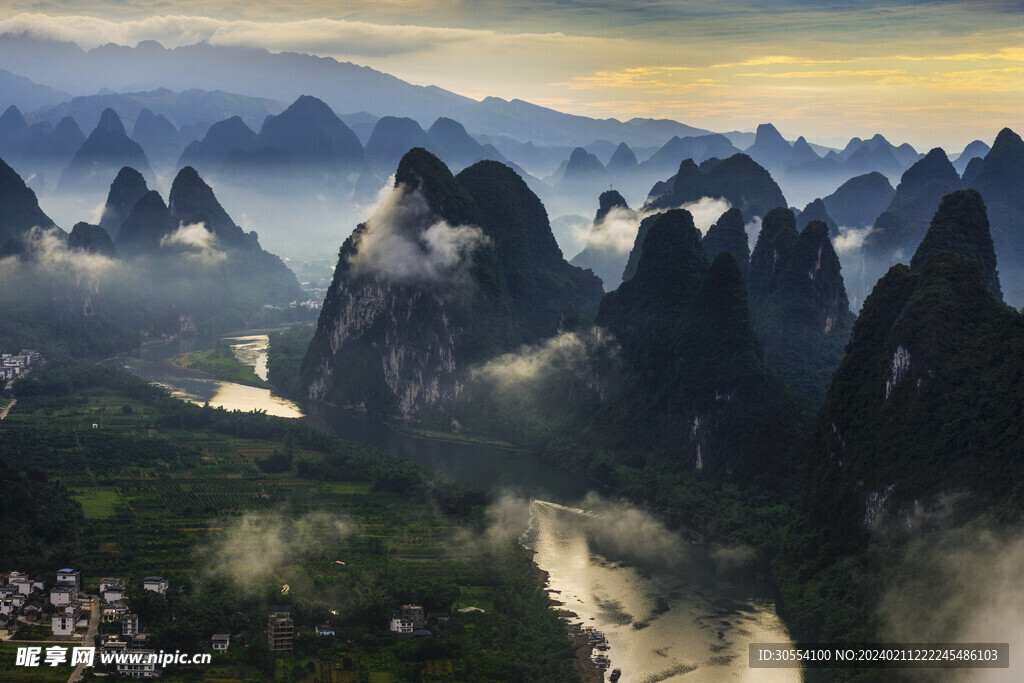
[{"x": 233, "y": 506}]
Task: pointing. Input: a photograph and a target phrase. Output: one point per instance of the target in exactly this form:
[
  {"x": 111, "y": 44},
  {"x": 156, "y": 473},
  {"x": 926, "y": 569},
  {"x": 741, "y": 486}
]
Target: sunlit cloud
[
  {"x": 708, "y": 66},
  {"x": 650, "y": 79},
  {"x": 825, "y": 74},
  {"x": 781, "y": 59},
  {"x": 995, "y": 80},
  {"x": 647, "y": 77}
]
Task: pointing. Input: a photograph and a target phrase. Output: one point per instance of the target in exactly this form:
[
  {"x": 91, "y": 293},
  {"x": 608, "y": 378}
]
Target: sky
[{"x": 936, "y": 73}]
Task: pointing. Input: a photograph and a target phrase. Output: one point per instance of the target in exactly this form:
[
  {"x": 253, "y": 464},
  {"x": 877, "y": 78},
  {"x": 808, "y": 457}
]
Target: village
[
  {"x": 54, "y": 614},
  {"x": 17, "y": 365},
  {"x": 30, "y": 604}
]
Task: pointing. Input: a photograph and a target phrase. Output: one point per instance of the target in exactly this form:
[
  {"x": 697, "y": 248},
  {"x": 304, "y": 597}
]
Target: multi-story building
[
  {"x": 65, "y": 619},
  {"x": 280, "y": 632}
]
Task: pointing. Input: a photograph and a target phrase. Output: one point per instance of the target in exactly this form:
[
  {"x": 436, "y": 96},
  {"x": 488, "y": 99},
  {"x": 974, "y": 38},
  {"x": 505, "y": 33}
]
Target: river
[{"x": 670, "y": 610}]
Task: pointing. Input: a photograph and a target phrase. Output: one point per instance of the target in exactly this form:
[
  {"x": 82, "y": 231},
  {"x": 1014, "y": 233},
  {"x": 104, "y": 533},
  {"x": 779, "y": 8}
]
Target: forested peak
[
  {"x": 421, "y": 170},
  {"x": 961, "y": 226},
  {"x": 609, "y": 200}
]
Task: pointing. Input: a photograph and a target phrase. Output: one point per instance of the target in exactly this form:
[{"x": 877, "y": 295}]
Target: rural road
[
  {"x": 87, "y": 641},
  {"x": 3, "y": 413}
]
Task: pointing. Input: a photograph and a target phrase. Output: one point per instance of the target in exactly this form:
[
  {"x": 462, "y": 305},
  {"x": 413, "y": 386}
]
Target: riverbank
[
  {"x": 220, "y": 363},
  {"x": 454, "y": 437},
  {"x": 584, "y": 666}
]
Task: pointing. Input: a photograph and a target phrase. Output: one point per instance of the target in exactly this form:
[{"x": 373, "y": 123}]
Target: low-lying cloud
[
  {"x": 573, "y": 361},
  {"x": 706, "y": 211},
  {"x": 256, "y": 548},
  {"x": 960, "y": 587},
  {"x": 617, "y": 231},
  {"x": 195, "y": 242},
  {"x": 614, "y": 529},
  {"x": 753, "y": 229},
  {"x": 45, "y": 248},
  {"x": 406, "y": 243},
  {"x": 850, "y": 239}
]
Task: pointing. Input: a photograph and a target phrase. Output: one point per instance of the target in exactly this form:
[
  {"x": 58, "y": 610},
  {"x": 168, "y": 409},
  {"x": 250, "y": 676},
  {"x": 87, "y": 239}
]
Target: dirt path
[
  {"x": 90, "y": 634},
  {"x": 7, "y": 409}
]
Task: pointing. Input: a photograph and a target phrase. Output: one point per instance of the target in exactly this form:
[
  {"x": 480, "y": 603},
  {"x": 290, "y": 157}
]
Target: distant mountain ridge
[{"x": 285, "y": 76}]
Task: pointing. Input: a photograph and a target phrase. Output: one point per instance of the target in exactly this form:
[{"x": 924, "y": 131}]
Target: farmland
[{"x": 243, "y": 512}]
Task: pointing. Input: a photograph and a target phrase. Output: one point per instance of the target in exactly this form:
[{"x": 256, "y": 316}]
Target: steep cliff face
[
  {"x": 696, "y": 383},
  {"x": 128, "y": 188},
  {"x": 728, "y": 234},
  {"x": 1000, "y": 180},
  {"x": 928, "y": 396},
  {"x": 799, "y": 303},
  {"x": 19, "y": 209},
  {"x": 900, "y": 228},
  {"x": 448, "y": 272}
]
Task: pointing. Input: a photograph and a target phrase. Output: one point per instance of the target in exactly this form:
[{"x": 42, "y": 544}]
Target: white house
[
  {"x": 67, "y": 577},
  {"x": 401, "y": 626},
  {"x": 220, "y": 642},
  {"x": 144, "y": 669},
  {"x": 65, "y": 619},
  {"x": 112, "y": 593},
  {"x": 157, "y": 584},
  {"x": 113, "y": 611},
  {"x": 63, "y": 595}
]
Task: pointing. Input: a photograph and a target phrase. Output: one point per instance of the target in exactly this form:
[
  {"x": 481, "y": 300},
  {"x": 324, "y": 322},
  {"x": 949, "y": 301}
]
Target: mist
[
  {"x": 960, "y": 586},
  {"x": 256, "y": 548},
  {"x": 706, "y": 211},
  {"x": 850, "y": 240},
  {"x": 561, "y": 368},
  {"x": 195, "y": 242},
  {"x": 753, "y": 229},
  {"x": 615, "y": 529},
  {"x": 47, "y": 250},
  {"x": 404, "y": 242},
  {"x": 617, "y": 230}
]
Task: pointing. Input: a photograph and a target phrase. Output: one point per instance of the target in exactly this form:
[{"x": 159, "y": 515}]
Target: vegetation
[
  {"x": 184, "y": 491},
  {"x": 221, "y": 363},
  {"x": 284, "y": 358}
]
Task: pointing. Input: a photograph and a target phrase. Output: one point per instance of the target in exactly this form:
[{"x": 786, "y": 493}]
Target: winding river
[{"x": 670, "y": 610}]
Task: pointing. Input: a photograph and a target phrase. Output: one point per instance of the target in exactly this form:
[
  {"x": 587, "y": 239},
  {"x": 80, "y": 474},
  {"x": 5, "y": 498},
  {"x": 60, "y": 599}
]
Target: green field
[
  {"x": 97, "y": 503},
  {"x": 221, "y": 363}
]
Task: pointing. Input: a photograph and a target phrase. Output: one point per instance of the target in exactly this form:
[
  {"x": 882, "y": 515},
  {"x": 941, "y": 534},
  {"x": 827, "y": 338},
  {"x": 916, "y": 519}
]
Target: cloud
[
  {"x": 826, "y": 74},
  {"x": 652, "y": 78},
  {"x": 1007, "y": 79},
  {"x": 568, "y": 352},
  {"x": 315, "y": 35},
  {"x": 404, "y": 242},
  {"x": 616, "y": 232},
  {"x": 753, "y": 229},
  {"x": 706, "y": 211},
  {"x": 960, "y": 586},
  {"x": 618, "y": 229},
  {"x": 850, "y": 239},
  {"x": 195, "y": 242},
  {"x": 614, "y": 529},
  {"x": 254, "y": 549},
  {"x": 46, "y": 249},
  {"x": 769, "y": 60}
]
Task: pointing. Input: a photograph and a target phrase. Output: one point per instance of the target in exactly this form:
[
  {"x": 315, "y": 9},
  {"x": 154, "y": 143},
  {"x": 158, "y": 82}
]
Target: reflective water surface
[{"x": 670, "y": 610}]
